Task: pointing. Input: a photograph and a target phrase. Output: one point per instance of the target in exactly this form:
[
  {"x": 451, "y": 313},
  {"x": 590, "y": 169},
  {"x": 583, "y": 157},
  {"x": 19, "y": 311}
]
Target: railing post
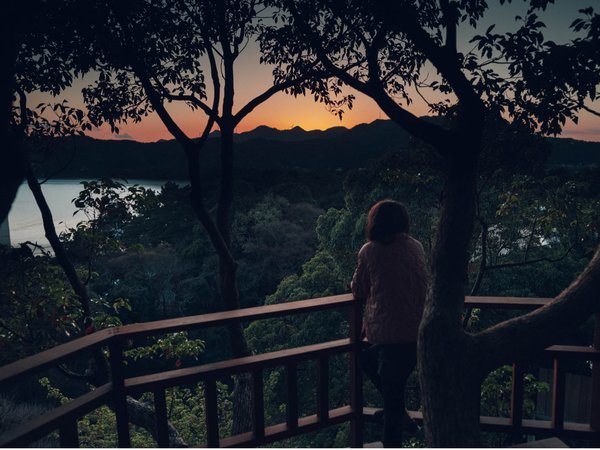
[
  {"x": 211, "y": 413},
  {"x": 258, "y": 405},
  {"x": 516, "y": 402},
  {"x": 162, "y": 424},
  {"x": 356, "y": 397},
  {"x": 69, "y": 436},
  {"x": 291, "y": 405},
  {"x": 558, "y": 396},
  {"x": 595, "y": 411},
  {"x": 118, "y": 387},
  {"x": 323, "y": 388}
]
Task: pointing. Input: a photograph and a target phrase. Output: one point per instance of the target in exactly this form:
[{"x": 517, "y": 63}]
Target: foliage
[
  {"x": 173, "y": 346},
  {"x": 387, "y": 53},
  {"x": 39, "y": 308},
  {"x": 185, "y": 410},
  {"x": 496, "y": 392}
]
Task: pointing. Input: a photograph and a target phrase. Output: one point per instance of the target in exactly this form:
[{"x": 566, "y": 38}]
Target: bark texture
[
  {"x": 448, "y": 367},
  {"x": 143, "y": 415}
]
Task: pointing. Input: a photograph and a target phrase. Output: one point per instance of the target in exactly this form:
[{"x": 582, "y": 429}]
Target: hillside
[{"x": 264, "y": 148}]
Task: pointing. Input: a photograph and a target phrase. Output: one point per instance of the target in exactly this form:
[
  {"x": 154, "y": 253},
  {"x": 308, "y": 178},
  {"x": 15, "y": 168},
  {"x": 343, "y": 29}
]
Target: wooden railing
[{"x": 64, "y": 418}]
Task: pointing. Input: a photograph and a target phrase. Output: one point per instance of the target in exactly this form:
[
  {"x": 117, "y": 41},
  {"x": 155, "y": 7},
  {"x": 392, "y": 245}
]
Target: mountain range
[{"x": 263, "y": 148}]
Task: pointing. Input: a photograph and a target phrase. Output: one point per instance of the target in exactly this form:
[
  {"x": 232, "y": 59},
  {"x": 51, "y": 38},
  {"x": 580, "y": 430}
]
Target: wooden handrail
[
  {"x": 21, "y": 435},
  {"x": 54, "y": 355},
  {"x": 237, "y": 315},
  {"x": 59, "y": 353},
  {"x": 176, "y": 377},
  {"x": 506, "y": 302},
  {"x": 66, "y": 415}
]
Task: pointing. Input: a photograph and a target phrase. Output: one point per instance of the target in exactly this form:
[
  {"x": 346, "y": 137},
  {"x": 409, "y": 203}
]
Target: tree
[
  {"x": 150, "y": 53},
  {"x": 384, "y": 50}
]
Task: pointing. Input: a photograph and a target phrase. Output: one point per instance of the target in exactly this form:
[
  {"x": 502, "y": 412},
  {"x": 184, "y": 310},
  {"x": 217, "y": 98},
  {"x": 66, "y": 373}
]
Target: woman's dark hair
[{"x": 386, "y": 219}]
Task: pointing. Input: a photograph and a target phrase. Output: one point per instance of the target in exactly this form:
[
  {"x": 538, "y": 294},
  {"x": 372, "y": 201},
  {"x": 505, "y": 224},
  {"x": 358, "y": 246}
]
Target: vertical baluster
[
  {"x": 516, "y": 400},
  {"x": 291, "y": 406},
  {"x": 69, "y": 437},
  {"x": 595, "y": 412},
  {"x": 558, "y": 396},
  {"x": 323, "y": 388},
  {"x": 258, "y": 409},
  {"x": 356, "y": 400},
  {"x": 160, "y": 410},
  {"x": 211, "y": 412},
  {"x": 118, "y": 385}
]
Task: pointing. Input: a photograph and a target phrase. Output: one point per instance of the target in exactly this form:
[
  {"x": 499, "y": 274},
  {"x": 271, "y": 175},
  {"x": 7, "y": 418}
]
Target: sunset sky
[{"x": 283, "y": 111}]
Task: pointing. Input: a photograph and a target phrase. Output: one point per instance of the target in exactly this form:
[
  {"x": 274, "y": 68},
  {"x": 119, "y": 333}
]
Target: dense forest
[{"x": 502, "y": 206}]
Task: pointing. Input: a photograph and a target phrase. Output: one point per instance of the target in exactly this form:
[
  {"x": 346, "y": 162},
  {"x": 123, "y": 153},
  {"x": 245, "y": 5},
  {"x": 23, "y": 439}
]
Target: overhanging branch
[
  {"x": 518, "y": 338},
  {"x": 440, "y": 138}
]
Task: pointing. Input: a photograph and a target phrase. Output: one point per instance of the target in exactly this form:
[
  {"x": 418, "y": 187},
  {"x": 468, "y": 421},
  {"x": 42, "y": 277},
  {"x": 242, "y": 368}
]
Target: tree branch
[
  {"x": 88, "y": 378},
  {"x": 449, "y": 17},
  {"x": 532, "y": 261},
  {"x": 513, "y": 339},
  {"x": 590, "y": 110},
  {"x": 193, "y": 100},
  {"x": 530, "y": 240},
  {"x": 430, "y": 133},
  {"x": 259, "y": 99},
  {"x": 64, "y": 166},
  {"x": 159, "y": 107},
  {"x": 401, "y": 18}
]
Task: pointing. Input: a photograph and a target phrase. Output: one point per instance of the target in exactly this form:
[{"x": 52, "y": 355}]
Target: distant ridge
[{"x": 266, "y": 148}]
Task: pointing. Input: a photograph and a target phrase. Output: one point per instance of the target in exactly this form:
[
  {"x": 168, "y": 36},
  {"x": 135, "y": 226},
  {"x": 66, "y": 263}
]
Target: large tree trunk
[
  {"x": 448, "y": 369},
  {"x": 242, "y": 392}
]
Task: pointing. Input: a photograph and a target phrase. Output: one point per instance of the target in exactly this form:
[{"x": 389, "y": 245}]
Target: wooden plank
[
  {"x": 356, "y": 390},
  {"x": 504, "y": 425},
  {"x": 238, "y": 315},
  {"x": 212, "y": 413},
  {"x": 516, "y": 398},
  {"x": 573, "y": 351},
  {"x": 162, "y": 426},
  {"x": 553, "y": 442},
  {"x": 53, "y": 356},
  {"x": 322, "y": 388},
  {"x": 505, "y": 302},
  {"x": 238, "y": 365},
  {"x": 369, "y": 412},
  {"x": 282, "y": 431},
  {"x": 258, "y": 405},
  {"x": 291, "y": 405},
  {"x": 23, "y": 435},
  {"x": 69, "y": 436},
  {"x": 117, "y": 368},
  {"x": 558, "y": 396}
]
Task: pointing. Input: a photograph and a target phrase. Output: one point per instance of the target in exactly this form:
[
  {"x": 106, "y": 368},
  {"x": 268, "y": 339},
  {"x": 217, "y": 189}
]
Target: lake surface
[{"x": 25, "y": 220}]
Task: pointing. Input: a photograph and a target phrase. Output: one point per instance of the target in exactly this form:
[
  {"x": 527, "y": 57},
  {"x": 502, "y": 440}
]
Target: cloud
[{"x": 123, "y": 136}]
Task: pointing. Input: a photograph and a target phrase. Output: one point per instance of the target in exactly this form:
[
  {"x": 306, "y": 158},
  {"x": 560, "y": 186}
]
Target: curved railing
[{"x": 64, "y": 418}]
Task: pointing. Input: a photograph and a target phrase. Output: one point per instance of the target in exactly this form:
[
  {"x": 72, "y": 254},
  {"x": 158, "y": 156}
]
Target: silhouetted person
[{"x": 391, "y": 278}]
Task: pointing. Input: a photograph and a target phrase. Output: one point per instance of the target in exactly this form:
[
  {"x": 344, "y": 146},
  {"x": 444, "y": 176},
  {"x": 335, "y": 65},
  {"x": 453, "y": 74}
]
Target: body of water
[{"x": 25, "y": 220}]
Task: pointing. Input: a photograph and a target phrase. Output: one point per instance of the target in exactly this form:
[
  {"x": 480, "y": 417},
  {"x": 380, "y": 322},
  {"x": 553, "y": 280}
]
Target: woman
[{"x": 391, "y": 278}]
